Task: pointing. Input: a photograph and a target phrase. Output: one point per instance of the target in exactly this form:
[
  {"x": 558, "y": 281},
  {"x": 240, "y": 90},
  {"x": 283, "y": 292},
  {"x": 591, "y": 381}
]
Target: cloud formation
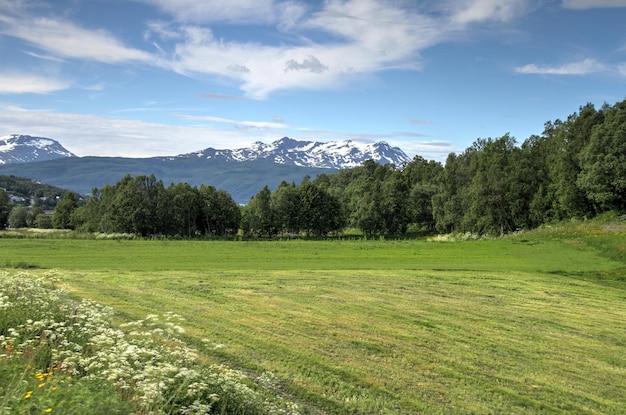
[
  {"x": 269, "y": 12},
  {"x": 322, "y": 46},
  {"x": 116, "y": 137},
  {"x": 249, "y": 125},
  {"x": 11, "y": 83},
  {"x": 64, "y": 39},
  {"x": 311, "y": 64},
  {"x": 477, "y": 11},
  {"x": 584, "y": 67}
]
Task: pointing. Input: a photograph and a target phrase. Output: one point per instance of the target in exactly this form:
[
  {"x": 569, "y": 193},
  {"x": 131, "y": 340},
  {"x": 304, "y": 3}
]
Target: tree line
[{"x": 575, "y": 169}]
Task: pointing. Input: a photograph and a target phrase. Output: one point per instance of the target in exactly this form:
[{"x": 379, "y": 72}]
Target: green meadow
[{"x": 528, "y": 324}]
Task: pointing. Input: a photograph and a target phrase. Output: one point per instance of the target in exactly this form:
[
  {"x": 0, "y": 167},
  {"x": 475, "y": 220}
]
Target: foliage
[
  {"x": 142, "y": 205},
  {"x": 42, "y": 195},
  {"x": 4, "y": 209},
  {"x": 291, "y": 209},
  {"x": 603, "y": 162},
  {"x": 18, "y": 217},
  {"x": 62, "y": 218}
]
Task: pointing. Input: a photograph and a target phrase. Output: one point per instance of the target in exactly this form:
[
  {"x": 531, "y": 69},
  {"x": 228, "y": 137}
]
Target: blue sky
[{"x": 164, "y": 77}]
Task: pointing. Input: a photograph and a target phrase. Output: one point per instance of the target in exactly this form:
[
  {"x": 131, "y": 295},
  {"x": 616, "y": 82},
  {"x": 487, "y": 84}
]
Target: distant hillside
[
  {"x": 241, "y": 179},
  {"x": 27, "y": 191}
]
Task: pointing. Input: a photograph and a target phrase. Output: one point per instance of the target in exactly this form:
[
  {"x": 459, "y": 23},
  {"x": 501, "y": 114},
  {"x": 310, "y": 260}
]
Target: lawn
[{"x": 521, "y": 325}]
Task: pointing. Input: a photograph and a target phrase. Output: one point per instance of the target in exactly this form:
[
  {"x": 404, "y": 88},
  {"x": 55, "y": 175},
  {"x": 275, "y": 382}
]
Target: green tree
[
  {"x": 572, "y": 137},
  {"x": 603, "y": 162},
  {"x": 258, "y": 216},
  {"x": 130, "y": 206},
  {"x": 185, "y": 209},
  {"x": 18, "y": 218},
  {"x": 62, "y": 217},
  {"x": 220, "y": 214},
  {"x": 451, "y": 200},
  {"x": 33, "y": 212},
  {"x": 42, "y": 221},
  {"x": 369, "y": 217},
  {"x": 537, "y": 155},
  {"x": 286, "y": 206},
  {"x": 88, "y": 218},
  {"x": 319, "y": 212},
  {"x": 491, "y": 195},
  {"x": 423, "y": 178},
  {"x": 5, "y": 209},
  {"x": 395, "y": 203}
]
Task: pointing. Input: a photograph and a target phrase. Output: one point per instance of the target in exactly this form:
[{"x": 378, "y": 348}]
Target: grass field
[{"x": 527, "y": 324}]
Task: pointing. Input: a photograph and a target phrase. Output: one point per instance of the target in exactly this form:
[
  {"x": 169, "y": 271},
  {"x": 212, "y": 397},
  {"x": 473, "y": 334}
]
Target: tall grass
[{"x": 64, "y": 356}]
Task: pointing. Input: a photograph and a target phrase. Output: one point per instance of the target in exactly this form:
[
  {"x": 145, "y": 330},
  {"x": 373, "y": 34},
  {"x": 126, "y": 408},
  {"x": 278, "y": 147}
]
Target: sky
[{"x": 150, "y": 78}]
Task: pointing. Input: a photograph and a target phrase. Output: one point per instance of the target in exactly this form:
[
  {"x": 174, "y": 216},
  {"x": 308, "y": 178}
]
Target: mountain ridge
[
  {"x": 331, "y": 154},
  {"x": 241, "y": 172},
  {"x": 18, "y": 148}
]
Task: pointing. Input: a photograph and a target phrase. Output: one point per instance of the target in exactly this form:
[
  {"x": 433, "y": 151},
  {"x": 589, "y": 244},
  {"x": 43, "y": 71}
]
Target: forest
[{"x": 576, "y": 168}]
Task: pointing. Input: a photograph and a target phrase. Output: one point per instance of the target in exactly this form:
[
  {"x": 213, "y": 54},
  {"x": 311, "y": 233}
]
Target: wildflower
[
  {"x": 47, "y": 410},
  {"x": 28, "y": 394}
]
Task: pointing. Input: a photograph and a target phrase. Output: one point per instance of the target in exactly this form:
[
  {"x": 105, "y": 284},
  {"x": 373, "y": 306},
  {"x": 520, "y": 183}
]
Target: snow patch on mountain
[
  {"x": 332, "y": 154},
  {"x": 17, "y": 148}
]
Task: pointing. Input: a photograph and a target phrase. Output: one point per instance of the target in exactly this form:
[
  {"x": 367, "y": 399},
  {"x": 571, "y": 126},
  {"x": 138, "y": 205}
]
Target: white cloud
[
  {"x": 476, "y": 11},
  {"x": 233, "y": 11},
  {"x": 592, "y": 4},
  {"x": 430, "y": 150},
  {"x": 62, "y": 38},
  {"x": 583, "y": 67},
  {"x": 255, "y": 125},
  {"x": 367, "y": 36},
  {"x": 358, "y": 38},
  {"x": 45, "y": 57},
  {"x": 11, "y": 83},
  {"x": 116, "y": 137}
]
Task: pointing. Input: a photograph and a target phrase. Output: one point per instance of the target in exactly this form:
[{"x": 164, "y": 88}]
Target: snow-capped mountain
[
  {"x": 17, "y": 148},
  {"x": 242, "y": 172},
  {"x": 333, "y": 154}
]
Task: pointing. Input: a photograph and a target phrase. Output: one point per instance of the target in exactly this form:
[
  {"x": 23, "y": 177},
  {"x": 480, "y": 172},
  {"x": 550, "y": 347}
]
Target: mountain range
[{"x": 242, "y": 172}]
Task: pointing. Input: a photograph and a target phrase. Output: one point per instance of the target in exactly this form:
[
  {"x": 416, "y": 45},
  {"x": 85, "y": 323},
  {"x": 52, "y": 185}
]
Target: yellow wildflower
[
  {"x": 48, "y": 410},
  {"x": 27, "y": 395}
]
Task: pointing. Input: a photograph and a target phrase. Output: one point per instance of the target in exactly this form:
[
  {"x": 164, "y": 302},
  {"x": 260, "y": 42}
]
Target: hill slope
[{"x": 241, "y": 179}]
